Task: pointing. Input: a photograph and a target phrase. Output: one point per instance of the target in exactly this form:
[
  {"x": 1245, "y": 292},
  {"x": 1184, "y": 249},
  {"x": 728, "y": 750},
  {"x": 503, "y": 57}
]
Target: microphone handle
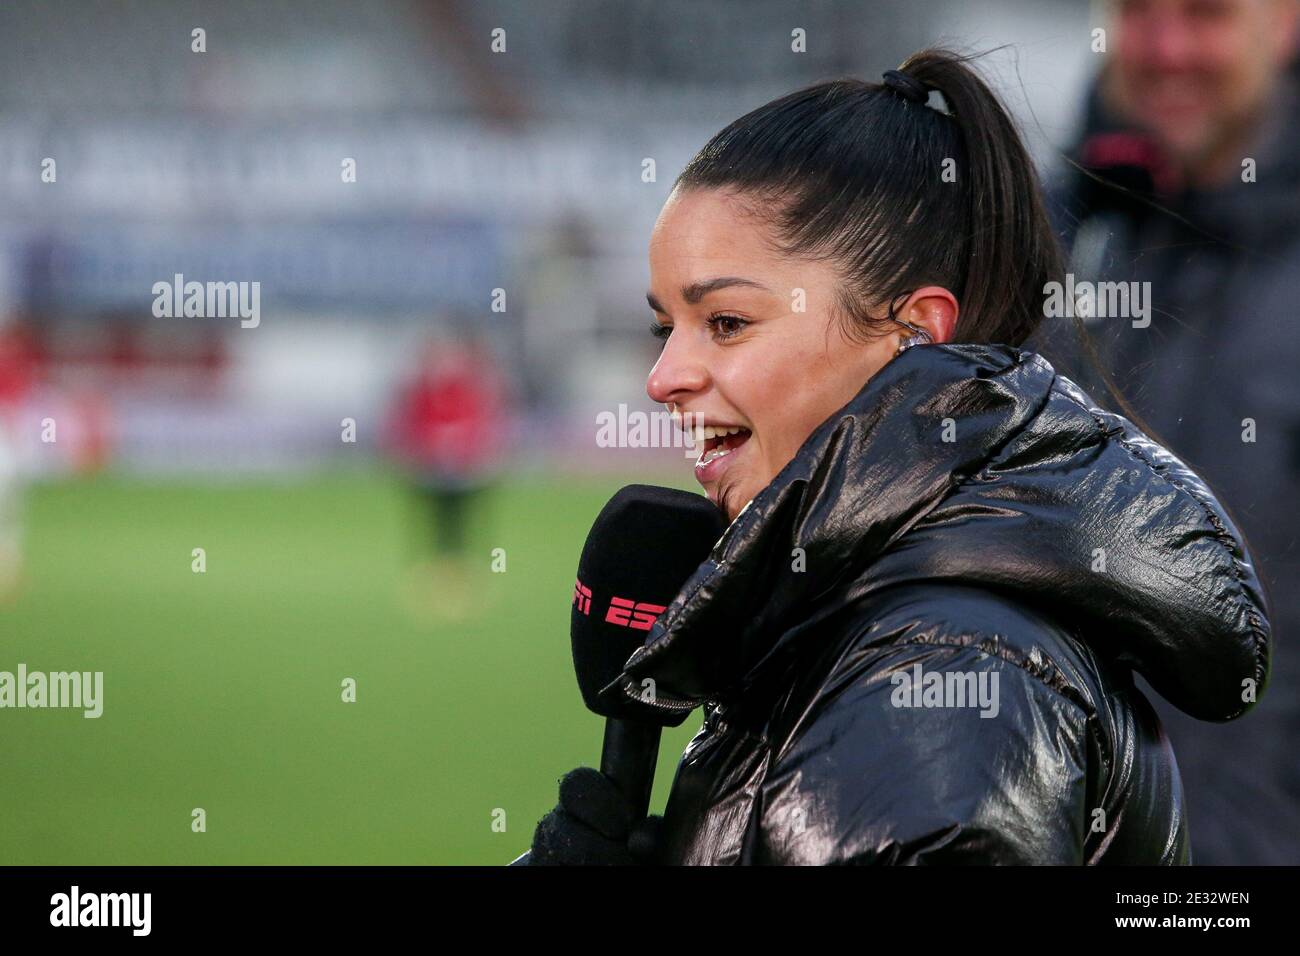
[{"x": 628, "y": 756}]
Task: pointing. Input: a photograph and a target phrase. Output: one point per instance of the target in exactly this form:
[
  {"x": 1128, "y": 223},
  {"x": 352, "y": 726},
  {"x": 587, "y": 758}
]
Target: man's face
[
  {"x": 1194, "y": 72},
  {"x": 763, "y": 355}
]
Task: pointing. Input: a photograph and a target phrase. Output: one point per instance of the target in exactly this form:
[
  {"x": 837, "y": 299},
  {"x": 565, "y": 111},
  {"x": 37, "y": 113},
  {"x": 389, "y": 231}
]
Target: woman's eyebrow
[{"x": 695, "y": 291}]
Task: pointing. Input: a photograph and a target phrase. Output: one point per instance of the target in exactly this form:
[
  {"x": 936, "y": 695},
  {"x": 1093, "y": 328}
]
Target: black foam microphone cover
[{"x": 645, "y": 544}]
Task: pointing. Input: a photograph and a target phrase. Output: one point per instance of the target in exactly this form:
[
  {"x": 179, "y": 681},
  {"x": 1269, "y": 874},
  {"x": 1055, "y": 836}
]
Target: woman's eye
[
  {"x": 722, "y": 327},
  {"x": 726, "y": 326}
]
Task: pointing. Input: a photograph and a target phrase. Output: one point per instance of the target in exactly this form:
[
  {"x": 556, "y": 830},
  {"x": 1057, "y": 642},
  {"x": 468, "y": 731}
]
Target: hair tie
[{"x": 908, "y": 87}]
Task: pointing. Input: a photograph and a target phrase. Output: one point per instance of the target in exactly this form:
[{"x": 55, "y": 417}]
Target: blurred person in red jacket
[
  {"x": 446, "y": 429},
  {"x": 17, "y": 374}
]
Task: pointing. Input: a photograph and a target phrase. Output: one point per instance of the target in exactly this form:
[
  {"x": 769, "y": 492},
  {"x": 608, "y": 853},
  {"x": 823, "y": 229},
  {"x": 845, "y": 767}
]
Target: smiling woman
[
  {"x": 819, "y": 230},
  {"x": 745, "y": 327},
  {"x": 913, "y": 499}
]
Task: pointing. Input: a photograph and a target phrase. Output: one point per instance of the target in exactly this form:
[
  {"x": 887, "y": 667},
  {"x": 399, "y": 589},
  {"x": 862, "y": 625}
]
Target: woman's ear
[{"x": 934, "y": 309}]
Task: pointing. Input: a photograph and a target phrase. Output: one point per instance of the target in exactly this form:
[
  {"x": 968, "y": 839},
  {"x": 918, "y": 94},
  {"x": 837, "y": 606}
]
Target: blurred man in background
[{"x": 1190, "y": 181}]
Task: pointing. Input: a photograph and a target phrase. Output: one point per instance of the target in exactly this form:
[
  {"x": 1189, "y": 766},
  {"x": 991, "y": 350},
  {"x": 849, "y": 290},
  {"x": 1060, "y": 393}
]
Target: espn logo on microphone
[
  {"x": 624, "y": 612},
  {"x": 582, "y": 597},
  {"x": 628, "y": 613}
]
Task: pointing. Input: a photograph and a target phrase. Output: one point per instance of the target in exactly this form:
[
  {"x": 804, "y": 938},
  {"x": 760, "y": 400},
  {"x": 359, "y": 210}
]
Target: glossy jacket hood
[{"x": 976, "y": 464}]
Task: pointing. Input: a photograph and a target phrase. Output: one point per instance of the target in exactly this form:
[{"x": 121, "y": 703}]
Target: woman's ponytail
[
  {"x": 1019, "y": 246},
  {"x": 1013, "y": 252}
]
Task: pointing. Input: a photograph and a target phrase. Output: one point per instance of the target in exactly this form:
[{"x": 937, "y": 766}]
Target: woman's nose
[{"x": 678, "y": 373}]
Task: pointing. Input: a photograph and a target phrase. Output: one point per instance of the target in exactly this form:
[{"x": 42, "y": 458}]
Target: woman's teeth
[
  {"x": 709, "y": 431},
  {"x": 711, "y": 454},
  {"x": 717, "y": 442}
]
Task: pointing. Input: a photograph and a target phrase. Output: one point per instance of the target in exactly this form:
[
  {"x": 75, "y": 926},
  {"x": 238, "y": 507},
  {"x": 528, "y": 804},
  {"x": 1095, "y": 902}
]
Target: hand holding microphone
[
  {"x": 644, "y": 545},
  {"x": 593, "y": 825}
]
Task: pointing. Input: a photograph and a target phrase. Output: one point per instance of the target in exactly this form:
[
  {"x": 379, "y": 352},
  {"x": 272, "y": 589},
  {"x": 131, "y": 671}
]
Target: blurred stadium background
[{"x": 476, "y": 171}]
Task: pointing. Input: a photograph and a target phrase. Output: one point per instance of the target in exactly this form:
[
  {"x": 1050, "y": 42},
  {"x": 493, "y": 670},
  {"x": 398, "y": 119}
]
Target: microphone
[{"x": 644, "y": 545}]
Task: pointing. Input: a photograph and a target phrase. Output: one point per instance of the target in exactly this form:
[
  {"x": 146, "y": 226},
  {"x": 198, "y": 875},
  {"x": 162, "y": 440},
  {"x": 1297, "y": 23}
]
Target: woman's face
[{"x": 755, "y": 343}]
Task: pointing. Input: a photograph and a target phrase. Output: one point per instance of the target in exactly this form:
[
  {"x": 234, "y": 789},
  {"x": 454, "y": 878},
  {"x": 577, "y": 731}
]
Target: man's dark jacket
[{"x": 969, "y": 515}]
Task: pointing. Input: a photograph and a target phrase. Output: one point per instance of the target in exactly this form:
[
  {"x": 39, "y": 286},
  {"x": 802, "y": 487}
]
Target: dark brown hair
[{"x": 854, "y": 172}]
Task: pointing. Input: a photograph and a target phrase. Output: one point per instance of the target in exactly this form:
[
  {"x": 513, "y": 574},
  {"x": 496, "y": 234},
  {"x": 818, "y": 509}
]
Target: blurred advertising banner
[
  {"x": 382, "y": 265},
  {"x": 394, "y": 167}
]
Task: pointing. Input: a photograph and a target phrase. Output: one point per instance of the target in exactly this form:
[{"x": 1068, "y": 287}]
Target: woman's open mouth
[{"x": 718, "y": 451}]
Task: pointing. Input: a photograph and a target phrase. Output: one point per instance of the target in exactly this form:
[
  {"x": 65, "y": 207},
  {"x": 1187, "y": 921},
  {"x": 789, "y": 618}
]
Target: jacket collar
[
  {"x": 998, "y": 473},
  {"x": 932, "y": 416}
]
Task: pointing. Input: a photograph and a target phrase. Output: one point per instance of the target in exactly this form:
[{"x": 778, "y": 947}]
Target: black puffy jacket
[{"x": 916, "y": 644}]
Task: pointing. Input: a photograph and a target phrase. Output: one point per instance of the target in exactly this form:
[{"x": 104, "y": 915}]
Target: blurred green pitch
[{"x": 222, "y": 689}]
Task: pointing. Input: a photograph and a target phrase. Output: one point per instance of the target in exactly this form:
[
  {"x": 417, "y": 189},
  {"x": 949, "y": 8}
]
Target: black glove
[{"x": 593, "y": 826}]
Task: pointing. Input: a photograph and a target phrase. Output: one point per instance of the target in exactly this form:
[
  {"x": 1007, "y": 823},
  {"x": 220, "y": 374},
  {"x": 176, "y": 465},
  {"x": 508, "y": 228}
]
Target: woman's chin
[
  {"x": 730, "y": 499},
  {"x": 718, "y": 496}
]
